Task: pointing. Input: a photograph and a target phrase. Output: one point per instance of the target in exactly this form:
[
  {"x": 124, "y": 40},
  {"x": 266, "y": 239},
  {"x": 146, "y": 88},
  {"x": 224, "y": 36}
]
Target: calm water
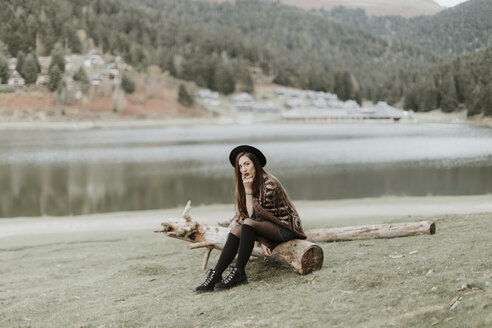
[{"x": 76, "y": 172}]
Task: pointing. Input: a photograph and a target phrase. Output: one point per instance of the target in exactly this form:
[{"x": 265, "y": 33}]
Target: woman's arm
[
  {"x": 249, "y": 204},
  {"x": 248, "y": 190}
]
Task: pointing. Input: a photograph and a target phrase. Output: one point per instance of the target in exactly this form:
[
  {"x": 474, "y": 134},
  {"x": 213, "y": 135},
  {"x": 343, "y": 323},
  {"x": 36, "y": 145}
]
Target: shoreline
[
  {"x": 432, "y": 117},
  {"x": 325, "y": 213}
]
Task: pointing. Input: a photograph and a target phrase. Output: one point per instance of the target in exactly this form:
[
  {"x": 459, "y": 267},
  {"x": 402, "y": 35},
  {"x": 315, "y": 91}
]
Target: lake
[{"x": 93, "y": 171}]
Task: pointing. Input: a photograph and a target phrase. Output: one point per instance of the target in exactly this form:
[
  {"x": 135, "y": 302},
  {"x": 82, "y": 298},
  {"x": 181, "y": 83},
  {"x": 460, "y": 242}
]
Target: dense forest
[
  {"x": 218, "y": 45},
  {"x": 380, "y": 25},
  {"x": 453, "y": 84},
  {"x": 452, "y": 32},
  {"x": 465, "y": 82},
  {"x": 214, "y": 45},
  {"x": 307, "y": 51}
]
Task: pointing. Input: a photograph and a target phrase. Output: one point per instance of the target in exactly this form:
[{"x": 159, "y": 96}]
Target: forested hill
[
  {"x": 455, "y": 31},
  {"x": 452, "y": 32},
  {"x": 307, "y": 50},
  {"x": 406, "y": 8},
  {"x": 388, "y": 25},
  {"x": 218, "y": 46},
  {"x": 215, "y": 44},
  {"x": 465, "y": 82}
]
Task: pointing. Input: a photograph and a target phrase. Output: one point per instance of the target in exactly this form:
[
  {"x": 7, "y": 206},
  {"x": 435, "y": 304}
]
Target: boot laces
[
  {"x": 230, "y": 276},
  {"x": 209, "y": 278}
]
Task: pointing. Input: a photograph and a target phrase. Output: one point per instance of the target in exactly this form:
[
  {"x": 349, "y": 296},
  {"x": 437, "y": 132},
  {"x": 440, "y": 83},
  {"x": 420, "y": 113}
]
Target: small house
[
  {"x": 16, "y": 80},
  {"x": 12, "y": 65},
  {"x": 93, "y": 60}
]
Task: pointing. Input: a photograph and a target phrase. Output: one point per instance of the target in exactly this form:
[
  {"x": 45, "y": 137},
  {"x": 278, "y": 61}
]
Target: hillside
[
  {"x": 217, "y": 45},
  {"x": 388, "y": 25},
  {"x": 452, "y": 32},
  {"x": 407, "y": 8},
  {"x": 229, "y": 47},
  {"x": 306, "y": 50},
  {"x": 464, "y": 82}
]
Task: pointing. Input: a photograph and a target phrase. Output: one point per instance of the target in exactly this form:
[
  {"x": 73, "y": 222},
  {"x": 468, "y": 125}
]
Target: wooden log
[
  {"x": 208, "y": 250},
  {"x": 301, "y": 255},
  {"x": 372, "y": 231}
]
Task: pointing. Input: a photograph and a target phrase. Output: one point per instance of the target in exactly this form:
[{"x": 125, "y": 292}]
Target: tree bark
[
  {"x": 372, "y": 231},
  {"x": 301, "y": 255}
]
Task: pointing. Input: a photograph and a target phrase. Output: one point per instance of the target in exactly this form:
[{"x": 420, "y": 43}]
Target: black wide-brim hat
[{"x": 247, "y": 149}]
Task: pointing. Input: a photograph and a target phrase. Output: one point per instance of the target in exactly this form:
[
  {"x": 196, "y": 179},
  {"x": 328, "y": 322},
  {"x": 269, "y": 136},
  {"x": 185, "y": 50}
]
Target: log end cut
[
  {"x": 312, "y": 260},
  {"x": 302, "y": 255},
  {"x": 432, "y": 229}
]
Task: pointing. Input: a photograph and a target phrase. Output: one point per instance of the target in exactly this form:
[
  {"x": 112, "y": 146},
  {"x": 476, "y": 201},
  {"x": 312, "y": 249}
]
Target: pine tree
[
  {"x": 358, "y": 98},
  {"x": 58, "y": 57},
  {"x": 224, "y": 80},
  {"x": 474, "y": 103},
  {"x": 4, "y": 50},
  {"x": 482, "y": 100},
  {"x": 184, "y": 98},
  {"x": 36, "y": 60},
  {"x": 81, "y": 76},
  {"x": 411, "y": 101},
  {"x": 55, "y": 76},
  {"x": 449, "y": 101},
  {"x": 29, "y": 70},
  {"x": 487, "y": 100},
  {"x": 462, "y": 81},
  {"x": 344, "y": 88},
  {"x": 21, "y": 57},
  {"x": 429, "y": 98},
  {"x": 127, "y": 83},
  {"x": 4, "y": 70},
  {"x": 244, "y": 78}
]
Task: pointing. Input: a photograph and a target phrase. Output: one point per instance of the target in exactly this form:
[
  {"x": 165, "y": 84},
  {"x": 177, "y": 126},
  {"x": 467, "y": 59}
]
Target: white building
[{"x": 16, "y": 80}]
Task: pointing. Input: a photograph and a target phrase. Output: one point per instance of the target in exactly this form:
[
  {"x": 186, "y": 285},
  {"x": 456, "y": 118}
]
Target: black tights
[{"x": 242, "y": 238}]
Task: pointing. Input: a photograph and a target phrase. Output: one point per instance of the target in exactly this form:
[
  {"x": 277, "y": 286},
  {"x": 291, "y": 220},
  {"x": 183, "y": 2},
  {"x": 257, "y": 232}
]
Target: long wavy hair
[{"x": 257, "y": 183}]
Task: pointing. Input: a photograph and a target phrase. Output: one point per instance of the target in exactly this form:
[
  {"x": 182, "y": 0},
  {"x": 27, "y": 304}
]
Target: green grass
[
  {"x": 7, "y": 88},
  {"x": 144, "y": 279}
]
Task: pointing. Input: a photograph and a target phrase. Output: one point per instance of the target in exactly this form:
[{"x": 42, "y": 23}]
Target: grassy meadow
[{"x": 137, "y": 278}]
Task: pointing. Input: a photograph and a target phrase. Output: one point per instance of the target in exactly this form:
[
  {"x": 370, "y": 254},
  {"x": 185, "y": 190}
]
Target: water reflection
[
  {"x": 78, "y": 172},
  {"x": 80, "y": 189}
]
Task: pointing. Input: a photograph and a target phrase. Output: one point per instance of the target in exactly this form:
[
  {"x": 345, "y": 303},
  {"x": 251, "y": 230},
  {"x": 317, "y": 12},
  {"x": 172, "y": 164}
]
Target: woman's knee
[
  {"x": 236, "y": 230},
  {"x": 249, "y": 222}
]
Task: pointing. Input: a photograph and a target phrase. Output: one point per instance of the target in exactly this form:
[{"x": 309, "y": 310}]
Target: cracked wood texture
[
  {"x": 372, "y": 231},
  {"x": 301, "y": 255}
]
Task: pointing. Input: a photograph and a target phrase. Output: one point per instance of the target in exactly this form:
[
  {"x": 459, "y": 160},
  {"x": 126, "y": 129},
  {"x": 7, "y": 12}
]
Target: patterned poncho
[{"x": 270, "y": 204}]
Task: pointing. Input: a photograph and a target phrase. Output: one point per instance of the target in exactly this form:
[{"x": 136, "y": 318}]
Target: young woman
[{"x": 264, "y": 212}]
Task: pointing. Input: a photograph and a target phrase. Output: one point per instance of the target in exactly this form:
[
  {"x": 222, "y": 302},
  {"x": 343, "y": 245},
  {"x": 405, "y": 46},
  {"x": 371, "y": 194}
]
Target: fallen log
[
  {"x": 372, "y": 231},
  {"x": 301, "y": 255}
]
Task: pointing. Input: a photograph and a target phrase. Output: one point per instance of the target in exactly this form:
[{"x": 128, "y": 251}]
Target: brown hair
[{"x": 257, "y": 183}]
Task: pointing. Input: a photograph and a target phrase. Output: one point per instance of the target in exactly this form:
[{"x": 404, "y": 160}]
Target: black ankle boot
[
  {"x": 236, "y": 277},
  {"x": 208, "y": 285}
]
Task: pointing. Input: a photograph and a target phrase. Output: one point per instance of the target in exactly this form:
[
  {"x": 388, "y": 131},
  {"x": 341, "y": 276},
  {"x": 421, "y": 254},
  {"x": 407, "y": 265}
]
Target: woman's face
[{"x": 246, "y": 167}]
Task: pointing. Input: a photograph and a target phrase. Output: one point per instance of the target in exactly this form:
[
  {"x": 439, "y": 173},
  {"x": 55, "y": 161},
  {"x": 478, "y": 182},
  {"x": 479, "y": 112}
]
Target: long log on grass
[
  {"x": 301, "y": 255},
  {"x": 372, "y": 231}
]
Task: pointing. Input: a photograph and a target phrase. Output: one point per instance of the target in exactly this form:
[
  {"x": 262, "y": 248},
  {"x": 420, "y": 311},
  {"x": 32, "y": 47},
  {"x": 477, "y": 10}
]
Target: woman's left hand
[{"x": 266, "y": 250}]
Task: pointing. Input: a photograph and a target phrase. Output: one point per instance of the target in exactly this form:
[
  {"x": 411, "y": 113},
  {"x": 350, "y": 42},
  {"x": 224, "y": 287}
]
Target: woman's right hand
[{"x": 248, "y": 185}]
